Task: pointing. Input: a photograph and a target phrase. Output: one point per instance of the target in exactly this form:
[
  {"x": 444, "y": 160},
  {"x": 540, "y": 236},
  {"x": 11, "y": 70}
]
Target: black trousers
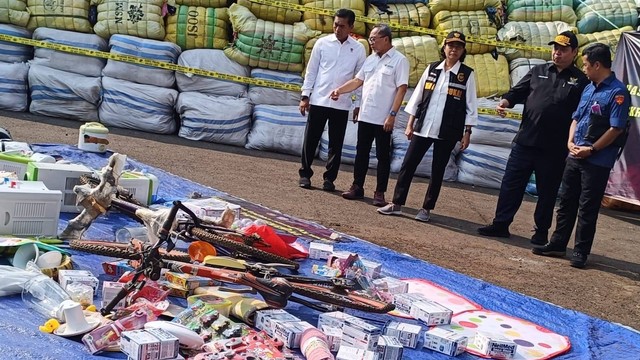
[
  {"x": 418, "y": 147},
  {"x": 523, "y": 160},
  {"x": 583, "y": 186},
  {"x": 368, "y": 132},
  {"x": 316, "y": 121}
]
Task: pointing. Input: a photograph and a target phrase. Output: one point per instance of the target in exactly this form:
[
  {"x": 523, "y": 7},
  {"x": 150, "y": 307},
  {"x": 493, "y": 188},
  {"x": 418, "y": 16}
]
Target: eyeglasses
[{"x": 373, "y": 39}]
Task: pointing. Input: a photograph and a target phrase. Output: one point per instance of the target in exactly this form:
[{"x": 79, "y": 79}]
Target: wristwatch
[
  {"x": 467, "y": 130},
  {"x": 393, "y": 113},
  {"x": 304, "y": 97}
]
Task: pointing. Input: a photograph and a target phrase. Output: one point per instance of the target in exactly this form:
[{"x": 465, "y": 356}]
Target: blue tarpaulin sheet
[{"x": 590, "y": 338}]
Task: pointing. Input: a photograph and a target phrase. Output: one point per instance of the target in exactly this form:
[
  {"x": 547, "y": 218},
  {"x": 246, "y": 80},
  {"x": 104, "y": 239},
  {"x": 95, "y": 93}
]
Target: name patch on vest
[{"x": 456, "y": 93}]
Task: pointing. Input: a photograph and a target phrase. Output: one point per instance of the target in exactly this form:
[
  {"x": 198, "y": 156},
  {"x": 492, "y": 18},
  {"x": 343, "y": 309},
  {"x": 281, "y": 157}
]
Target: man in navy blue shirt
[{"x": 595, "y": 137}]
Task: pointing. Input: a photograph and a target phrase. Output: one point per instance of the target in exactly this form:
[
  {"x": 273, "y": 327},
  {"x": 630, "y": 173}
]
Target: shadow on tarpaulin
[{"x": 591, "y": 338}]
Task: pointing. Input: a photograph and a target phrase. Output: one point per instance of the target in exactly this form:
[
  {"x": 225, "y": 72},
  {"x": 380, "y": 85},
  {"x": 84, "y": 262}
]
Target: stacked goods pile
[
  {"x": 72, "y": 15},
  {"x": 61, "y": 88},
  {"x": 270, "y": 13},
  {"x": 544, "y": 11},
  {"x": 610, "y": 37},
  {"x": 532, "y": 34},
  {"x": 601, "y": 15},
  {"x": 141, "y": 18},
  {"x": 138, "y": 96},
  {"x": 211, "y": 109},
  {"x": 197, "y": 27},
  {"x": 324, "y": 23},
  {"x": 14, "y": 85},
  {"x": 420, "y": 51},
  {"x": 14, "y": 12},
  {"x": 277, "y": 128}
]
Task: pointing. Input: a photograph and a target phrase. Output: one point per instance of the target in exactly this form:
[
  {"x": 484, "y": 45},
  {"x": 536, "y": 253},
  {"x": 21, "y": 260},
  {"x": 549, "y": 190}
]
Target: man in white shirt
[
  {"x": 335, "y": 59},
  {"x": 384, "y": 78}
]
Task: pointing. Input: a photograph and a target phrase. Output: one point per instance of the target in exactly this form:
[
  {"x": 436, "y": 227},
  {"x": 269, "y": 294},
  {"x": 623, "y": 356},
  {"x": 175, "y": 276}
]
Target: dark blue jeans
[
  {"x": 583, "y": 186},
  {"x": 523, "y": 161}
]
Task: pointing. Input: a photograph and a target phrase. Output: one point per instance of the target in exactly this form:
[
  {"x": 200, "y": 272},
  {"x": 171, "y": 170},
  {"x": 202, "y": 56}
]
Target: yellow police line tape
[
  {"x": 398, "y": 26},
  {"x": 167, "y": 66}
]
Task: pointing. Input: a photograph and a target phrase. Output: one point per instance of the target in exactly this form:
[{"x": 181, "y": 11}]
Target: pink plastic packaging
[{"x": 314, "y": 345}]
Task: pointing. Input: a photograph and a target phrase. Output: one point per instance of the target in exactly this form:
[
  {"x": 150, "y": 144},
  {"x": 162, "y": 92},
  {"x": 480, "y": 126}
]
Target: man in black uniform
[{"x": 550, "y": 93}]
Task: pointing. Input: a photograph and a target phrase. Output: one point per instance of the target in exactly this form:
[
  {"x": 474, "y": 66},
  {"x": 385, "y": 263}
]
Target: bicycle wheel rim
[
  {"x": 251, "y": 251},
  {"x": 347, "y": 299}
]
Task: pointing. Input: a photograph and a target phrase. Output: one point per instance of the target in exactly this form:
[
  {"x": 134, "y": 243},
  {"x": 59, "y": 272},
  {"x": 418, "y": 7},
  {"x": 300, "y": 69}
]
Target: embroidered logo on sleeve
[{"x": 619, "y": 99}]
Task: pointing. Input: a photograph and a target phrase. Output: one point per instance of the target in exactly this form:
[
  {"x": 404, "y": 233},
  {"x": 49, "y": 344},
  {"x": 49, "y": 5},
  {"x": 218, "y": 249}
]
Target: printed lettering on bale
[
  {"x": 266, "y": 44},
  {"x": 194, "y": 27},
  {"x": 142, "y": 18},
  {"x": 272, "y": 13}
]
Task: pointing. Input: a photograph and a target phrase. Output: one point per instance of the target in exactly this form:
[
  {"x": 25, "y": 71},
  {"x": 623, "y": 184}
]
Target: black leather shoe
[
  {"x": 494, "y": 231},
  {"x": 578, "y": 259},
  {"x": 540, "y": 238},
  {"x": 305, "y": 183},
  {"x": 327, "y": 185},
  {"x": 354, "y": 193},
  {"x": 549, "y": 250}
]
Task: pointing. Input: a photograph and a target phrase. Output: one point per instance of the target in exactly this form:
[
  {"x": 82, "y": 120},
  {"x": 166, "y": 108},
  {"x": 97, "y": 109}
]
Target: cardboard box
[
  {"x": 407, "y": 334},
  {"x": 391, "y": 285},
  {"x": 495, "y": 346},
  {"x": 320, "y": 251},
  {"x": 334, "y": 337},
  {"x": 187, "y": 281},
  {"x": 116, "y": 268},
  {"x": 351, "y": 353},
  {"x": 334, "y": 319},
  {"x": 110, "y": 290},
  {"x": 149, "y": 344},
  {"x": 403, "y": 301},
  {"x": 445, "y": 341},
  {"x": 290, "y": 332},
  {"x": 66, "y": 277},
  {"x": 360, "y": 334},
  {"x": 266, "y": 319},
  {"x": 431, "y": 313},
  {"x": 389, "y": 348}
]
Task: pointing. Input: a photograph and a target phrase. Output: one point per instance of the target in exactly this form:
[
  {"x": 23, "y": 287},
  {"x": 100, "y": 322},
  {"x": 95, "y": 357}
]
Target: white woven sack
[
  {"x": 142, "y": 18},
  {"x": 90, "y": 66},
  {"x": 163, "y": 51},
  {"x": 518, "y": 68},
  {"x": 14, "y": 86},
  {"x": 63, "y": 94},
  {"x": 272, "y": 96},
  {"x": 278, "y": 129},
  {"x": 214, "y": 60},
  {"x": 13, "y": 52},
  {"x": 143, "y": 107},
  {"x": 348, "y": 147},
  {"x": 400, "y": 144},
  {"x": 483, "y": 165},
  {"x": 495, "y": 130},
  {"x": 532, "y": 34},
  {"x": 218, "y": 119}
]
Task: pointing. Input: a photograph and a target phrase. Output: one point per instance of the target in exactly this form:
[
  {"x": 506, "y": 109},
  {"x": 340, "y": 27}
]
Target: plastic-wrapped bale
[
  {"x": 420, "y": 51},
  {"x": 128, "y": 105},
  {"x": 405, "y": 14},
  {"x": 14, "y": 86},
  {"x": 492, "y": 75},
  {"x": 91, "y": 66},
  {"x": 194, "y": 27},
  {"x": 541, "y": 10},
  {"x": 518, "y": 68},
  {"x": 349, "y": 145},
  {"x": 476, "y": 23},
  {"x": 601, "y": 15},
  {"x": 495, "y": 130},
  {"x": 203, "y": 3},
  {"x": 533, "y": 34},
  {"x": 483, "y": 165},
  {"x": 278, "y": 129},
  {"x": 72, "y": 15},
  {"x": 261, "y": 95},
  {"x": 324, "y": 23},
  {"x": 212, "y": 60},
  {"x": 14, "y": 12},
  {"x": 14, "y": 52},
  {"x": 309, "y": 46},
  {"x": 142, "y": 18},
  {"x": 609, "y": 37},
  {"x": 63, "y": 94},
  {"x": 163, "y": 51},
  {"x": 462, "y": 5},
  {"x": 272, "y": 13},
  {"x": 218, "y": 119},
  {"x": 400, "y": 144},
  {"x": 266, "y": 44}
]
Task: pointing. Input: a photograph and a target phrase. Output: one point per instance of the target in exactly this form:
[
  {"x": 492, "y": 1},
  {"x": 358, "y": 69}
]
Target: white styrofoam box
[
  {"x": 407, "y": 334},
  {"x": 320, "y": 251},
  {"x": 14, "y": 163},
  {"x": 445, "y": 341},
  {"x": 29, "y": 209},
  {"x": 389, "y": 348},
  {"x": 61, "y": 177},
  {"x": 143, "y": 186},
  {"x": 495, "y": 346},
  {"x": 431, "y": 313}
]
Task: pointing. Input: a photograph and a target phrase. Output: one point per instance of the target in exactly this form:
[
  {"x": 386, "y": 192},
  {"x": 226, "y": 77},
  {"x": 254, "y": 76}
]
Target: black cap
[
  {"x": 565, "y": 38},
  {"x": 455, "y": 36}
]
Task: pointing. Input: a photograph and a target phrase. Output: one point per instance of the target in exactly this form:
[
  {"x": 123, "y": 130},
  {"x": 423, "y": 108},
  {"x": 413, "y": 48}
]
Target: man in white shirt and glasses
[{"x": 335, "y": 59}]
